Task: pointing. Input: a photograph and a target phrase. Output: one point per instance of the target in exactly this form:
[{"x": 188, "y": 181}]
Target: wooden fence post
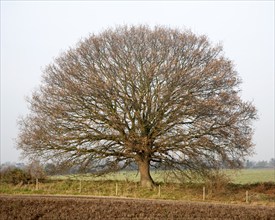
[
  {"x": 116, "y": 189},
  {"x": 36, "y": 184},
  {"x": 80, "y": 186},
  {"x": 246, "y": 197},
  {"x": 159, "y": 191},
  {"x": 203, "y": 193}
]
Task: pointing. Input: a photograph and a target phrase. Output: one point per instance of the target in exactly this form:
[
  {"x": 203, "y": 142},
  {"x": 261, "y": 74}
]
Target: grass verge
[{"x": 258, "y": 193}]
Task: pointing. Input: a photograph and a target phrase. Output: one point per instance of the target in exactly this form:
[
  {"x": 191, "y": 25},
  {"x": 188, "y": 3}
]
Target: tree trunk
[{"x": 145, "y": 177}]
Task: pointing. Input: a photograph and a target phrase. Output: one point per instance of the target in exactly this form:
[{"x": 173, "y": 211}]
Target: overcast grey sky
[{"x": 34, "y": 32}]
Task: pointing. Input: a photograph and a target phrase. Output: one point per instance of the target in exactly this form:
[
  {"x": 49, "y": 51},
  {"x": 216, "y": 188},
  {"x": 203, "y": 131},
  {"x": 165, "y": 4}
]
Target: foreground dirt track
[{"x": 61, "y": 207}]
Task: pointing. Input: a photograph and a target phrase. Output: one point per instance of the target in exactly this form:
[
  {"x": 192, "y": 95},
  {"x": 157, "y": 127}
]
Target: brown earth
[{"x": 69, "y": 207}]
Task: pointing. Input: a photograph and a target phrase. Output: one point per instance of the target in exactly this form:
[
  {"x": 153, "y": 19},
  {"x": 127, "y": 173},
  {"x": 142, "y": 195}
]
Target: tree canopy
[{"x": 153, "y": 96}]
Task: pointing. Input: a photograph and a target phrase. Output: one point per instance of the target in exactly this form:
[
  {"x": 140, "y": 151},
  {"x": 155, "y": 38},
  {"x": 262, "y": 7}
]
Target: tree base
[{"x": 147, "y": 184}]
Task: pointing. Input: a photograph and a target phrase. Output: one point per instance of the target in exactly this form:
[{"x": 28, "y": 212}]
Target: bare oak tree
[{"x": 161, "y": 97}]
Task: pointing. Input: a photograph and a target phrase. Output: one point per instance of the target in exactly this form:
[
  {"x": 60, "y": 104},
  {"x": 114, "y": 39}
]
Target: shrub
[
  {"x": 14, "y": 176},
  {"x": 36, "y": 171},
  {"x": 217, "y": 181}
]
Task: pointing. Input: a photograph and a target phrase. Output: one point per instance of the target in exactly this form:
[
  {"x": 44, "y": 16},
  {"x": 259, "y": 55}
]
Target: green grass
[
  {"x": 245, "y": 176},
  {"x": 260, "y": 184},
  {"x": 263, "y": 194}
]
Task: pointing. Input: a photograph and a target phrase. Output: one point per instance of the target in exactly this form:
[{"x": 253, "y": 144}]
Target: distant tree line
[
  {"x": 260, "y": 164},
  {"x": 17, "y": 173}
]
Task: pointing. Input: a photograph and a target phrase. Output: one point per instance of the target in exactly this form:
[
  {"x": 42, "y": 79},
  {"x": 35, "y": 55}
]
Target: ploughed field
[{"x": 72, "y": 207}]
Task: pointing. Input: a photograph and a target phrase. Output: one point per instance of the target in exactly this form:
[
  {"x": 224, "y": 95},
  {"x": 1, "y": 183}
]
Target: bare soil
[{"x": 71, "y": 207}]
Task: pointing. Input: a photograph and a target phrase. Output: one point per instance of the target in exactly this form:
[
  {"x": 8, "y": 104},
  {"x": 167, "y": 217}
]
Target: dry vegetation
[
  {"x": 259, "y": 193},
  {"x": 41, "y": 207}
]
